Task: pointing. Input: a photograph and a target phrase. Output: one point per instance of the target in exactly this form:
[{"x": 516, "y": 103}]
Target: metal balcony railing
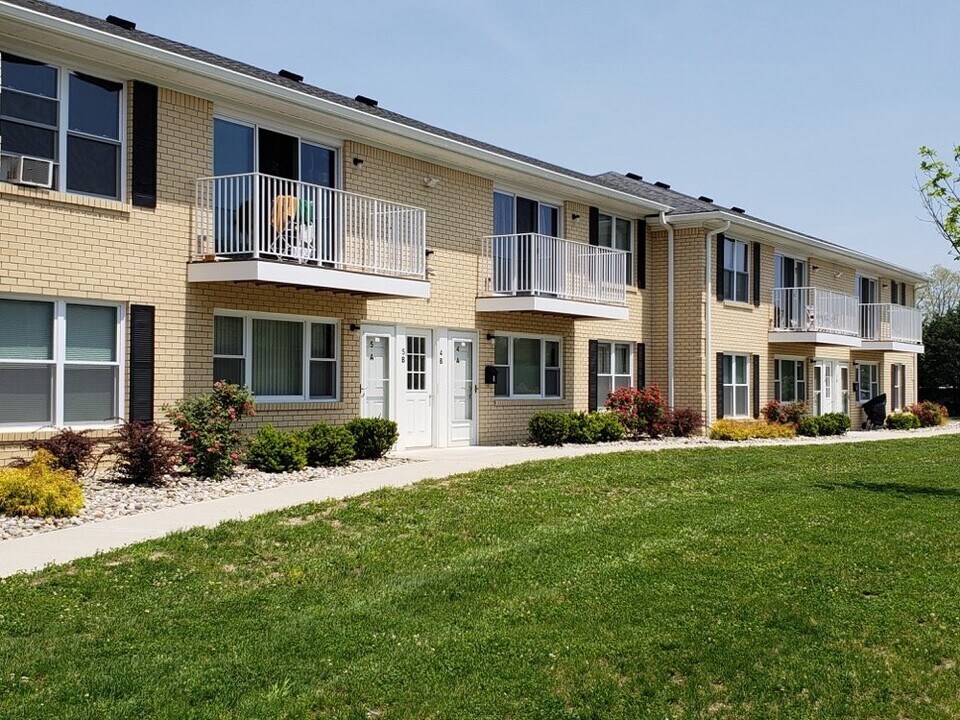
[
  {"x": 809, "y": 309},
  {"x": 533, "y": 264},
  {"x": 257, "y": 216},
  {"x": 887, "y": 322}
]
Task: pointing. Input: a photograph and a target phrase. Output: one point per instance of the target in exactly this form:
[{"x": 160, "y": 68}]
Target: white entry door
[
  {"x": 463, "y": 386},
  {"x": 831, "y": 380},
  {"x": 416, "y": 363},
  {"x": 375, "y": 383}
]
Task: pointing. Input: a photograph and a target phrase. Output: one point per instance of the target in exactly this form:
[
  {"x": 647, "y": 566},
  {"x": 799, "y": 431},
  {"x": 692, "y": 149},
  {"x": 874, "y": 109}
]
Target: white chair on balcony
[{"x": 293, "y": 233}]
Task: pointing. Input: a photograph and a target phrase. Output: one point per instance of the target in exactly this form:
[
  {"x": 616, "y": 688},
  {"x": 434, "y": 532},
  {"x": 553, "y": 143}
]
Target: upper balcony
[
  {"x": 256, "y": 227},
  {"x": 813, "y": 315},
  {"x": 529, "y": 272},
  {"x": 887, "y": 326}
]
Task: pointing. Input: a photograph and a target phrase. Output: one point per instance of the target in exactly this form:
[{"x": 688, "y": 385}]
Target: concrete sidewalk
[{"x": 59, "y": 546}]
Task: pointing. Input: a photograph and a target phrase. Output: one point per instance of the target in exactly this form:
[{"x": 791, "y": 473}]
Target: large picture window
[
  {"x": 735, "y": 389},
  {"x": 279, "y": 358},
  {"x": 529, "y": 366},
  {"x": 736, "y": 273},
  {"x": 617, "y": 233},
  {"x": 70, "y": 118},
  {"x": 789, "y": 380},
  {"x": 59, "y": 363}
]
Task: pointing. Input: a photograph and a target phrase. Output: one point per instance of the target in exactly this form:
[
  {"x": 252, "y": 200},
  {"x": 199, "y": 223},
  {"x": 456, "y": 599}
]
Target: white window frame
[
  {"x": 63, "y": 125},
  {"x": 800, "y": 371},
  {"x": 613, "y": 374},
  {"x": 511, "y": 337},
  {"x": 736, "y": 412},
  {"x": 631, "y": 236},
  {"x": 730, "y": 294},
  {"x": 306, "y": 321},
  {"x": 898, "y": 389},
  {"x": 873, "y": 388},
  {"x": 59, "y": 363}
]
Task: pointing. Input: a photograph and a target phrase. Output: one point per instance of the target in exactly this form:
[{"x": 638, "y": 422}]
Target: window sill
[
  {"x": 527, "y": 399},
  {"x": 739, "y": 305},
  {"x": 14, "y": 433},
  {"x": 274, "y": 405},
  {"x": 64, "y": 198}
]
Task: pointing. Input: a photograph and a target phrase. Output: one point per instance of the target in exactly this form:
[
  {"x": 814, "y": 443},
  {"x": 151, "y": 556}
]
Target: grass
[{"x": 799, "y": 582}]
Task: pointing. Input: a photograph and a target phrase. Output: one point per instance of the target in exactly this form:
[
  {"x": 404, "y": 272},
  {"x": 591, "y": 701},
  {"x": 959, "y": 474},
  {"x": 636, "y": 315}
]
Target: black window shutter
[
  {"x": 756, "y": 386},
  {"x": 592, "y": 372},
  {"x": 893, "y": 379},
  {"x": 756, "y": 274},
  {"x": 641, "y": 253},
  {"x": 144, "y": 172},
  {"x": 720, "y": 242},
  {"x": 894, "y": 294},
  {"x": 594, "y": 226},
  {"x": 142, "y": 318},
  {"x": 719, "y": 385},
  {"x": 641, "y": 365}
]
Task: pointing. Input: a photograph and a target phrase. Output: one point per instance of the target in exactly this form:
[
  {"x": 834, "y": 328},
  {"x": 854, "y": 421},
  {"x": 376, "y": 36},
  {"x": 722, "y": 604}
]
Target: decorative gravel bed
[{"x": 105, "y": 499}]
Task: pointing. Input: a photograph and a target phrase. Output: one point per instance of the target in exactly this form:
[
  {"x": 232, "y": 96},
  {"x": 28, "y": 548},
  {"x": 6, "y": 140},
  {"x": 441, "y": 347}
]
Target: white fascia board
[
  {"x": 811, "y": 337},
  {"x": 355, "y": 117},
  {"x": 894, "y": 346},
  {"x": 555, "y": 306},
  {"x": 282, "y": 273},
  {"x": 737, "y": 220}
]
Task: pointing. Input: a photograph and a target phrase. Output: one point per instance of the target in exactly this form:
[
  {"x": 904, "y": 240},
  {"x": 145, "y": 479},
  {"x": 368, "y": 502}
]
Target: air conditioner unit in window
[{"x": 23, "y": 170}]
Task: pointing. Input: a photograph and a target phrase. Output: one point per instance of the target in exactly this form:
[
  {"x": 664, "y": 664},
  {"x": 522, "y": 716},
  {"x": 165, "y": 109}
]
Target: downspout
[
  {"x": 708, "y": 308},
  {"x": 670, "y": 304}
]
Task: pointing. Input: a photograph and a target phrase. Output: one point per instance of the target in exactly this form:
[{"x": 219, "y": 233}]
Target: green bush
[
  {"x": 273, "y": 450},
  {"x": 328, "y": 445},
  {"x": 902, "y": 420},
  {"x": 584, "y": 428},
  {"x": 748, "y": 429},
  {"x": 144, "y": 455},
  {"x": 40, "y": 489},
  {"x": 372, "y": 437},
  {"x": 609, "y": 427},
  {"x": 824, "y": 425},
  {"x": 809, "y": 426},
  {"x": 549, "y": 428}
]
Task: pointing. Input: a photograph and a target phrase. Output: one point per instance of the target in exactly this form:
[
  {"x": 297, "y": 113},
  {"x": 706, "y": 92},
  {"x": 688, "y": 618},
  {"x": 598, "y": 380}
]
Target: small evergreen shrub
[
  {"x": 784, "y": 413},
  {"x": 642, "y": 411},
  {"x": 609, "y": 427},
  {"x": 71, "y": 450},
  {"x": 143, "y": 455},
  {"x": 902, "y": 420},
  {"x": 328, "y": 445},
  {"x": 40, "y": 489},
  {"x": 748, "y": 429},
  {"x": 824, "y": 425},
  {"x": 583, "y": 428},
  {"x": 809, "y": 426},
  {"x": 212, "y": 444},
  {"x": 685, "y": 422},
  {"x": 930, "y": 414},
  {"x": 549, "y": 428},
  {"x": 372, "y": 437},
  {"x": 275, "y": 451}
]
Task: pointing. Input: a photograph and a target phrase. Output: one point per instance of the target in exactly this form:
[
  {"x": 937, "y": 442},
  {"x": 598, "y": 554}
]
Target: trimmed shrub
[
  {"x": 824, "y": 425},
  {"x": 930, "y": 414},
  {"x": 372, "y": 437},
  {"x": 71, "y": 450},
  {"x": 609, "y": 427},
  {"x": 211, "y": 444},
  {"x": 328, "y": 445},
  {"x": 809, "y": 426},
  {"x": 747, "y": 429},
  {"x": 549, "y": 428},
  {"x": 685, "y": 422},
  {"x": 274, "y": 451},
  {"x": 143, "y": 454},
  {"x": 784, "y": 413},
  {"x": 642, "y": 411},
  {"x": 40, "y": 489},
  {"x": 584, "y": 429},
  {"x": 902, "y": 420}
]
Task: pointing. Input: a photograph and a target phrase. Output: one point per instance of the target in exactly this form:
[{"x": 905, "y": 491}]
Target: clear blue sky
[{"x": 807, "y": 114}]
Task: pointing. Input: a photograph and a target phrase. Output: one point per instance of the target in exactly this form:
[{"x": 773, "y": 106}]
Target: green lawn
[{"x": 814, "y": 581}]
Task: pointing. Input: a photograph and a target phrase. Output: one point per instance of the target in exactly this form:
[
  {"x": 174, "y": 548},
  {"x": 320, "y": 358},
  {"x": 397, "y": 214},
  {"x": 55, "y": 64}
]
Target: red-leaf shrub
[
  {"x": 784, "y": 413},
  {"x": 685, "y": 422},
  {"x": 71, "y": 450},
  {"x": 643, "y": 411},
  {"x": 143, "y": 454},
  {"x": 930, "y": 413}
]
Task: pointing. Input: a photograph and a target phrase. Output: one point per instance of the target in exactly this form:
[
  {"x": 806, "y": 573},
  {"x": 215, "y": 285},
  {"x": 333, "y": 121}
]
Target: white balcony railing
[
  {"x": 809, "y": 309},
  {"x": 886, "y": 322},
  {"x": 533, "y": 264},
  {"x": 256, "y": 216}
]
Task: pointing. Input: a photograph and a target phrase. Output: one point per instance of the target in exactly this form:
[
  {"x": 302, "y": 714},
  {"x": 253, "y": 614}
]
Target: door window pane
[
  {"x": 232, "y": 148},
  {"x": 317, "y": 165},
  {"x": 26, "y": 330},
  {"x": 502, "y": 214},
  {"x": 91, "y": 333},
  {"x": 26, "y": 394},
  {"x": 277, "y": 358},
  {"x": 526, "y": 366},
  {"x": 89, "y": 394},
  {"x": 549, "y": 221},
  {"x": 95, "y": 106}
]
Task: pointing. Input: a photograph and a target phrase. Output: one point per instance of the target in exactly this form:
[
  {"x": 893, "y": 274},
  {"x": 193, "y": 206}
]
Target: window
[
  {"x": 72, "y": 119},
  {"x": 898, "y": 385},
  {"x": 279, "y": 358},
  {"x": 735, "y": 391},
  {"x": 514, "y": 214},
  {"x": 736, "y": 276},
  {"x": 59, "y": 363},
  {"x": 868, "y": 379},
  {"x": 789, "y": 380},
  {"x": 529, "y": 366},
  {"x": 614, "y": 368},
  {"x": 617, "y": 233}
]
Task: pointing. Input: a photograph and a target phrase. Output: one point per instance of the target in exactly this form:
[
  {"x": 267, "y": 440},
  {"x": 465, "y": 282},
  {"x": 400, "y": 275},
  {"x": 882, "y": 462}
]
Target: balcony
[
  {"x": 255, "y": 227},
  {"x": 538, "y": 273},
  {"x": 885, "y": 326},
  {"x": 816, "y": 316}
]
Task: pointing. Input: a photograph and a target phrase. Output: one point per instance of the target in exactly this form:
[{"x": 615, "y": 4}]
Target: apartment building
[{"x": 169, "y": 217}]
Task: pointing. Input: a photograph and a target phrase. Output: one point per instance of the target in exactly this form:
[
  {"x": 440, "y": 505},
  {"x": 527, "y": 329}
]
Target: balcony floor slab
[
  {"x": 557, "y": 306},
  {"x": 892, "y": 346},
  {"x": 813, "y": 337}
]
